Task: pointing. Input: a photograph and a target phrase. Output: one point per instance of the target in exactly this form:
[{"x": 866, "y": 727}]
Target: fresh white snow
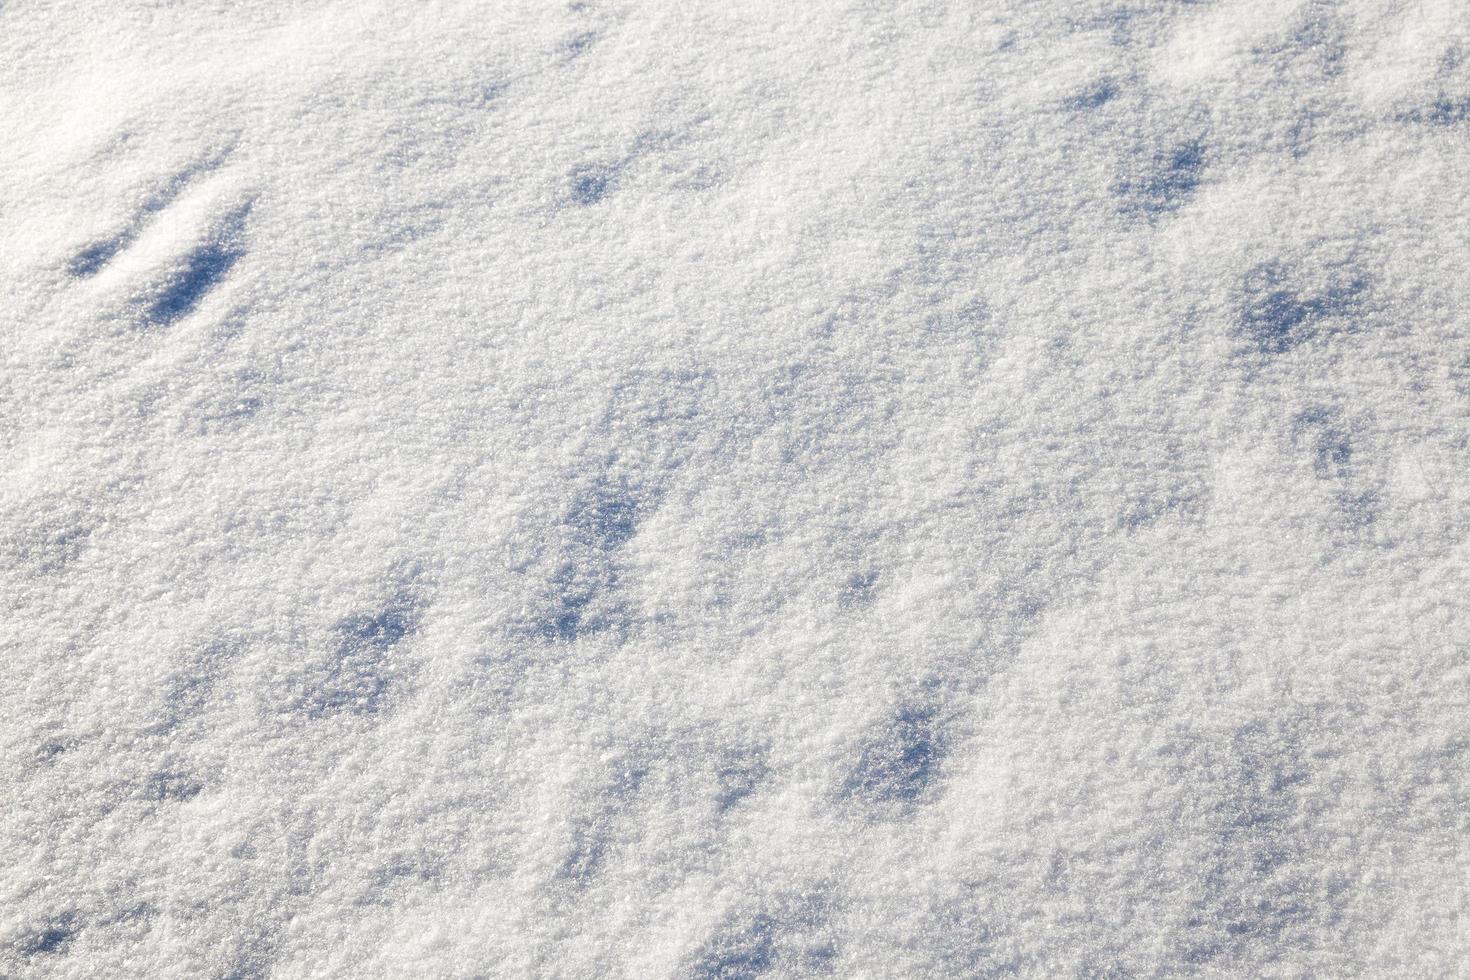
[{"x": 646, "y": 489}]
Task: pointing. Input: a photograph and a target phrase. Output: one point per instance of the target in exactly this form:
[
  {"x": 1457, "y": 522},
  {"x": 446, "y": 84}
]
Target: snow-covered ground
[{"x": 655, "y": 489}]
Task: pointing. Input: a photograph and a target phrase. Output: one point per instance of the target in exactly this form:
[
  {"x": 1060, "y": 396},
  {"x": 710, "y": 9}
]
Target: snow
[{"x": 634, "y": 488}]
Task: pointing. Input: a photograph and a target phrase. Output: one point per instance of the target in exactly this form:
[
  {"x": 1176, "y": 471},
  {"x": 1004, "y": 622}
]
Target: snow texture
[{"x": 631, "y": 488}]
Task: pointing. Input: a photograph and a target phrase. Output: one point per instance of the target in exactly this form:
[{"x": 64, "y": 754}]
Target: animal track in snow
[
  {"x": 94, "y": 257},
  {"x": 202, "y": 270}
]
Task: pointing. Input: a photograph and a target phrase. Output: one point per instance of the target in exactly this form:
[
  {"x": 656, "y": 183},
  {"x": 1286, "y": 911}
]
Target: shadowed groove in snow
[
  {"x": 1448, "y": 112},
  {"x": 1327, "y": 437},
  {"x": 165, "y": 787},
  {"x": 1168, "y": 181},
  {"x": 578, "y": 44},
  {"x": 746, "y": 951},
  {"x": 599, "y": 523},
  {"x": 91, "y": 259},
  {"x": 1330, "y": 444},
  {"x": 589, "y": 183},
  {"x": 1276, "y": 316},
  {"x": 1094, "y": 96},
  {"x": 786, "y": 938},
  {"x": 859, "y": 590},
  {"x": 46, "y": 548},
  {"x": 203, "y": 269},
  {"x": 593, "y": 835},
  {"x": 738, "y": 778},
  {"x": 1317, "y": 44},
  {"x": 900, "y": 761},
  {"x": 642, "y": 438},
  {"x": 356, "y": 676},
  {"x": 1253, "y": 897},
  {"x": 50, "y": 939}
]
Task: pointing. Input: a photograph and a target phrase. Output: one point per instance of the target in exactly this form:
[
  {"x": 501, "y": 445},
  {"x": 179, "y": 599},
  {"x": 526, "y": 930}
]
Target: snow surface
[{"x": 652, "y": 489}]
